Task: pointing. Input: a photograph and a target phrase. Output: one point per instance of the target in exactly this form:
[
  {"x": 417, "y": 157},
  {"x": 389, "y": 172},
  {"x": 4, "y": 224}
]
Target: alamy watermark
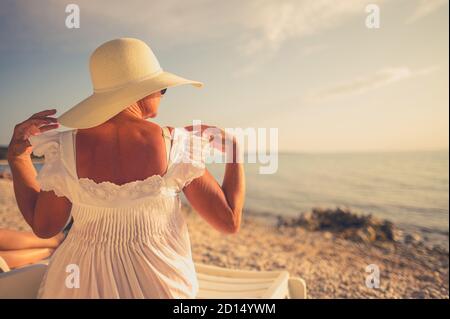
[
  {"x": 211, "y": 144},
  {"x": 373, "y": 17},
  {"x": 73, "y": 17},
  {"x": 73, "y": 278},
  {"x": 373, "y": 279}
]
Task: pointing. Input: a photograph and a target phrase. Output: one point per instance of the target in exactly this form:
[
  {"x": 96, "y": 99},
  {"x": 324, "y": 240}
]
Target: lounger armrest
[
  {"x": 3, "y": 265},
  {"x": 297, "y": 288}
]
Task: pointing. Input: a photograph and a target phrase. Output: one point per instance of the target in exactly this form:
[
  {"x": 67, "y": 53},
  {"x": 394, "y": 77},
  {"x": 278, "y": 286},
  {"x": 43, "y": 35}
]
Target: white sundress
[{"x": 127, "y": 241}]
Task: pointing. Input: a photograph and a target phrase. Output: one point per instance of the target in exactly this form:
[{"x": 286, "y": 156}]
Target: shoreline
[{"x": 34, "y": 160}]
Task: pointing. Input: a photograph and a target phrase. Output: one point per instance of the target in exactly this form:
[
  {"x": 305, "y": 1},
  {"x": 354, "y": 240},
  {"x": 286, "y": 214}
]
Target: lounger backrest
[
  {"x": 218, "y": 282},
  {"x": 22, "y": 283}
]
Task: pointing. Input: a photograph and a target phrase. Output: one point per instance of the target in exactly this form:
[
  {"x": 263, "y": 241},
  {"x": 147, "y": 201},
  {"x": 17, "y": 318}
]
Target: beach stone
[
  {"x": 386, "y": 231},
  {"x": 328, "y": 235},
  {"x": 398, "y": 236},
  {"x": 412, "y": 238},
  {"x": 371, "y": 234}
]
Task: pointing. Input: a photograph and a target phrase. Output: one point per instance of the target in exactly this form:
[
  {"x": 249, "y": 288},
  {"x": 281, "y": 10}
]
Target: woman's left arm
[{"x": 37, "y": 207}]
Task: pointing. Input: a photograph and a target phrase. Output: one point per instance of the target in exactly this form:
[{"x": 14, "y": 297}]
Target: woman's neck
[{"x": 131, "y": 112}]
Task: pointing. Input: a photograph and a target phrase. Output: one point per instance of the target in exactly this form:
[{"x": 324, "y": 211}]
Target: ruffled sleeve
[
  {"x": 52, "y": 175},
  {"x": 187, "y": 157}
]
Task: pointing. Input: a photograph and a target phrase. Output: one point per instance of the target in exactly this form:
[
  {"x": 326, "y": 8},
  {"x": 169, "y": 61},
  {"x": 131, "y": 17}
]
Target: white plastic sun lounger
[
  {"x": 21, "y": 283},
  {"x": 3, "y": 265},
  {"x": 214, "y": 283},
  {"x": 217, "y": 282}
]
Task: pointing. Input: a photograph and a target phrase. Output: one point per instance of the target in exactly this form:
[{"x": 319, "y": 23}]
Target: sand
[{"x": 332, "y": 267}]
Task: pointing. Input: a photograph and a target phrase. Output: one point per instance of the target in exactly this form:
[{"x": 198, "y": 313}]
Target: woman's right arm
[
  {"x": 220, "y": 206},
  {"x": 45, "y": 212}
]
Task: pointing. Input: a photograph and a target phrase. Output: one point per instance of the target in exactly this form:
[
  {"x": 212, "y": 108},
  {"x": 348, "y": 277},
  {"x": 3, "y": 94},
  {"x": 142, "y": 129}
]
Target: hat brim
[{"x": 100, "y": 107}]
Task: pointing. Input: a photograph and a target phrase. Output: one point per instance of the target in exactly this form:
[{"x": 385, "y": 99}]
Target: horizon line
[{"x": 345, "y": 151}]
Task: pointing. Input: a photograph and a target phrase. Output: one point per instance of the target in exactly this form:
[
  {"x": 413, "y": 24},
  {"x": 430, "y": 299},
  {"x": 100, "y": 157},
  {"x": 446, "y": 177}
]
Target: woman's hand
[
  {"x": 218, "y": 138},
  {"x": 36, "y": 124}
]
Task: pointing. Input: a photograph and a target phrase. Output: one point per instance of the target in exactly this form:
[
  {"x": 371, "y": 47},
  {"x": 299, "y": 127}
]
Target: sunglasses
[{"x": 163, "y": 91}]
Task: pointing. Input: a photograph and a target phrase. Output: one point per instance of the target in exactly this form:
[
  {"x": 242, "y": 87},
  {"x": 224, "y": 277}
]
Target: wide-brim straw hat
[{"x": 123, "y": 71}]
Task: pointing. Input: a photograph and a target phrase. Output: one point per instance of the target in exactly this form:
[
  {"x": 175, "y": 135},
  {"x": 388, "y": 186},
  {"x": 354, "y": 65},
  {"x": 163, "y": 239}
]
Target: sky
[{"x": 310, "y": 68}]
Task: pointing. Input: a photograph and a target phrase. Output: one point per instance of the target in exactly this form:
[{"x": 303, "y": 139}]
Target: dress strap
[
  {"x": 168, "y": 140},
  {"x": 67, "y": 142}
]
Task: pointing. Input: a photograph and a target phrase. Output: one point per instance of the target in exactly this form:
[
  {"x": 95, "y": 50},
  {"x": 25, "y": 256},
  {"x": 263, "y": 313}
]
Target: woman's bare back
[{"x": 120, "y": 153}]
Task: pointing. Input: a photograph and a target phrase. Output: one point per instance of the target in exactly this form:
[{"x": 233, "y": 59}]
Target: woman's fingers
[
  {"x": 42, "y": 121},
  {"x": 46, "y": 128},
  {"x": 32, "y": 130},
  {"x": 31, "y": 127},
  {"x": 202, "y": 127},
  {"x": 36, "y": 121},
  {"x": 36, "y": 124},
  {"x": 44, "y": 113}
]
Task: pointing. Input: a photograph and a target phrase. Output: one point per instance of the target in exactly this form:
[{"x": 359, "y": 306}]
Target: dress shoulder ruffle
[
  {"x": 188, "y": 157},
  {"x": 52, "y": 175}
]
